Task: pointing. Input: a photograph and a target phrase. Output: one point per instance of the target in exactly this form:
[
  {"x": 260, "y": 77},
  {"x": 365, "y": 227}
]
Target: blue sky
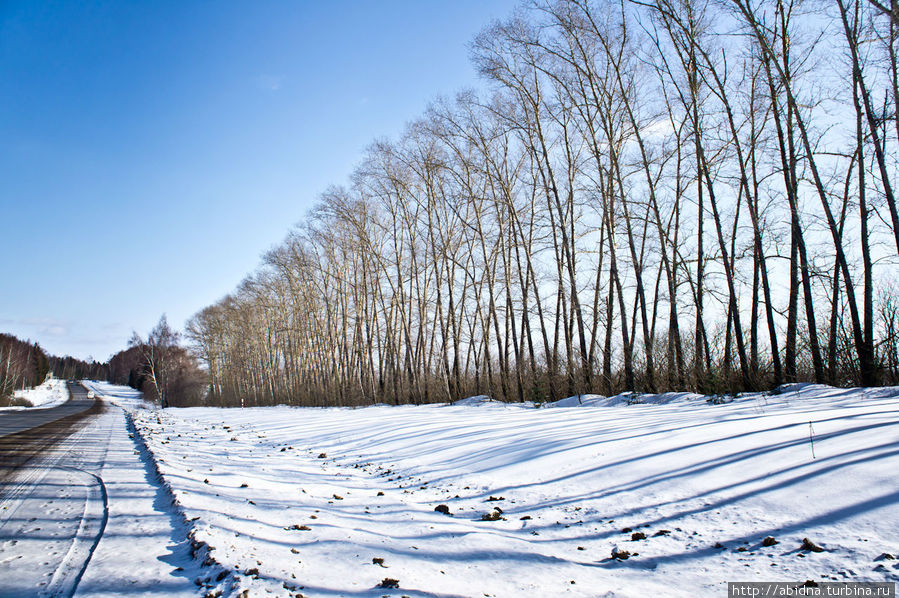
[{"x": 151, "y": 152}]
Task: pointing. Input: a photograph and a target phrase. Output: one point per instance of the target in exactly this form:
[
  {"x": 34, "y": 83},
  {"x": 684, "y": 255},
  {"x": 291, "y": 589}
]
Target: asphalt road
[
  {"x": 13, "y": 422},
  {"x": 27, "y": 434}
]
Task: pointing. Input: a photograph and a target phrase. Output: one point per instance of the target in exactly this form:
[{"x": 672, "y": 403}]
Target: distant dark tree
[
  {"x": 125, "y": 367},
  {"x": 41, "y": 362},
  {"x": 166, "y": 372},
  {"x": 189, "y": 384}
]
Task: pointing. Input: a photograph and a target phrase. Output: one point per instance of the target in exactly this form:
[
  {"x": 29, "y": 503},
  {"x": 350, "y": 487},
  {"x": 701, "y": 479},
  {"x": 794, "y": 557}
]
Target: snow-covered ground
[
  {"x": 120, "y": 396},
  {"x": 342, "y": 502},
  {"x": 51, "y": 393}
]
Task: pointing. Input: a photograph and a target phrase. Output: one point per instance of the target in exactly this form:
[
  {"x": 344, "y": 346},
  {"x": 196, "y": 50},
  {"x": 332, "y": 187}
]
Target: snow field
[{"x": 337, "y": 502}]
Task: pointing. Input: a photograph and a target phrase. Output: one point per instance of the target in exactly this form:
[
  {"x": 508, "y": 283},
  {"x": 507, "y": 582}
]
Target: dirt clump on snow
[
  {"x": 495, "y": 515},
  {"x": 809, "y": 545},
  {"x": 389, "y": 582},
  {"x": 620, "y": 555}
]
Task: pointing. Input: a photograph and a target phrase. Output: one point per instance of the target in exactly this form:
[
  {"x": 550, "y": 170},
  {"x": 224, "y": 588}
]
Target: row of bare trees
[{"x": 654, "y": 195}]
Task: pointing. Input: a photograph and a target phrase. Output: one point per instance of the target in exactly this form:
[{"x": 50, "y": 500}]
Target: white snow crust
[{"x": 120, "y": 396}]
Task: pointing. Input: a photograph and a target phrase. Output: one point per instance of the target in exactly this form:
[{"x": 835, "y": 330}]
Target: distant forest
[
  {"x": 660, "y": 195},
  {"x": 165, "y": 371},
  {"x": 158, "y": 366},
  {"x": 24, "y": 364}
]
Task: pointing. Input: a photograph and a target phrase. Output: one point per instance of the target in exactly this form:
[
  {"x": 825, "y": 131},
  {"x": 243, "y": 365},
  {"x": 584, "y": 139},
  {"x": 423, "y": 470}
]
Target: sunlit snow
[{"x": 337, "y": 502}]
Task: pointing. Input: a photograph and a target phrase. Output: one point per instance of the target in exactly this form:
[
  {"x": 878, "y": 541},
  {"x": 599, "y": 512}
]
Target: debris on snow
[
  {"x": 809, "y": 545},
  {"x": 621, "y": 555},
  {"x": 389, "y": 582}
]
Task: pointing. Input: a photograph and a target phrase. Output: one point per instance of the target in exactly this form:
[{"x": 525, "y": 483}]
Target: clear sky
[{"x": 151, "y": 152}]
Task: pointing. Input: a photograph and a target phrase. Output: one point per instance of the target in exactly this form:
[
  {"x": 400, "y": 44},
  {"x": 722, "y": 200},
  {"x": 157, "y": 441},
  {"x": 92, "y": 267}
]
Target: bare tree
[{"x": 159, "y": 353}]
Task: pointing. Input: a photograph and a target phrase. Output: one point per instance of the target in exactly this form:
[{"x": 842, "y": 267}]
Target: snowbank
[
  {"x": 475, "y": 401},
  {"x": 626, "y": 399},
  {"x": 51, "y": 393},
  {"x": 336, "y": 501}
]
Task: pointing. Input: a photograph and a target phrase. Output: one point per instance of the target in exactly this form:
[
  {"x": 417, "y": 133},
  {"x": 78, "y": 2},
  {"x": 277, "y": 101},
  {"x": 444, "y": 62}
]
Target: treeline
[
  {"x": 669, "y": 194},
  {"x": 158, "y": 366},
  {"x": 24, "y": 364}
]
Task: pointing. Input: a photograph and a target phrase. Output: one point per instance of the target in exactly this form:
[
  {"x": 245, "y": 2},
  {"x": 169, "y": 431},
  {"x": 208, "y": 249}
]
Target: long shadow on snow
[
  {"x": 608, "y": 492},
  {"x": 726, "y": 460},
  {"x": 589, "y": 436},
  {"x": 669, "y": 451},
  {"x": 180, "y": 548},
  {"x": 736, "y": 498},
  {"x": 590, "y": 440},
  {"x": 879, "y": 502}
]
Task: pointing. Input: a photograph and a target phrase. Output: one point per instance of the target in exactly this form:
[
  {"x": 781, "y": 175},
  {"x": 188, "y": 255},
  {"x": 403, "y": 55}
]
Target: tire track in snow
[
  {"x": 44, "y": 465},
  {"x": 64, "y": 581}
]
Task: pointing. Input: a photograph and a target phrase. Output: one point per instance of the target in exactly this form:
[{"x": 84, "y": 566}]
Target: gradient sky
[{"x": 151, "y": 152}]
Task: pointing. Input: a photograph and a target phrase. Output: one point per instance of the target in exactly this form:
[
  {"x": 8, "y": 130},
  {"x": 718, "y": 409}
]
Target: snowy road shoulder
[
  {"x": 90, "y": 516},
  {"x": 494, "y": 500},
  {"x": 144, "y": 550}
]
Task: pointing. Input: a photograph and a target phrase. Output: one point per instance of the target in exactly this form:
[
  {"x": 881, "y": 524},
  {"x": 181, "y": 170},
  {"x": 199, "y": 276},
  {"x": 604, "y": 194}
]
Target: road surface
[
  {"x": 26, "y": 433},
  {"x": 12, "y": 422}
]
